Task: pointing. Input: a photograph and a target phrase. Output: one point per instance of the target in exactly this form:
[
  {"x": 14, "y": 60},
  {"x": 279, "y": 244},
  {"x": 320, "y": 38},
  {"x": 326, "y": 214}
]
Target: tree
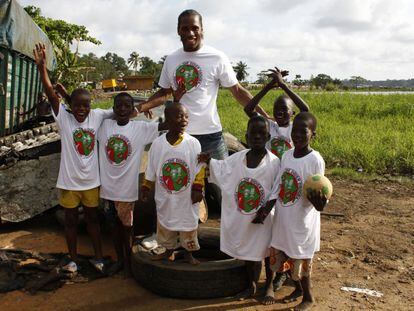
[
  {"x": 321, "y": 80},
  {"x": 298, "y": 81},
  {"x": 134, "y": 61},
  {"x": 63, "y": 35},
  {"x": 357, "y": 81},
  {"x": 162, "y": 60},
  {"x": 117, "y": 68},
  {"x": 262, "y": 77},
  {"x": 241, "y": 71}
]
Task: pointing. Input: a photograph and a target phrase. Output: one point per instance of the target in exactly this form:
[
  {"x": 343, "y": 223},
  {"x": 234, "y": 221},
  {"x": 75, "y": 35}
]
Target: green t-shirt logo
[
  {"x": 190, "y": 74},
  {"x": 84, "y": 140},
  {"x": 175, "y": 175},
  {"x": 291, "y": 187},
  {"x": 118, "y": 148},
  {"x": 278, "y": 146},
  {"x": 249, "y": 195}
]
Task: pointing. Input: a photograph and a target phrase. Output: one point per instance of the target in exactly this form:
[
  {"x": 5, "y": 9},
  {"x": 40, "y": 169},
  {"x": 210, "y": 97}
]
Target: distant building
[{"x": 140, "y": 83}]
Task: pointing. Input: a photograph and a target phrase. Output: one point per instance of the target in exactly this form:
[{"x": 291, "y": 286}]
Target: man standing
[{"x": 201, "y": 69}]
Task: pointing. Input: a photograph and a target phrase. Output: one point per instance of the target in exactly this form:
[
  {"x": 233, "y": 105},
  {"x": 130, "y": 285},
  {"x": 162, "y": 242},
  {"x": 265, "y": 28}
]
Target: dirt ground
[{"x": 371, "y": 247}]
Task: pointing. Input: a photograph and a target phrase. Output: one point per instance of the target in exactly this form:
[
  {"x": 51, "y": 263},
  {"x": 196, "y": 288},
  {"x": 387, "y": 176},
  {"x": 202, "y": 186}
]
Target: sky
[{"x": 342, "y": 38}]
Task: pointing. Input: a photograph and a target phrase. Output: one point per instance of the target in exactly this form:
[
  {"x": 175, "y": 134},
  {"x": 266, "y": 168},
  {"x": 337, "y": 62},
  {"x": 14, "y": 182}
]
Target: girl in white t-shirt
[
  {"x": 280, "y": 126},
  {"x": 296, "y": 230},
  {"x": 246, "y": 179}
]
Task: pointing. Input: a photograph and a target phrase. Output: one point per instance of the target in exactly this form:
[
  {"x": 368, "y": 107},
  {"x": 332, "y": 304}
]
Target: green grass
[{"x": 372, "y": 132}]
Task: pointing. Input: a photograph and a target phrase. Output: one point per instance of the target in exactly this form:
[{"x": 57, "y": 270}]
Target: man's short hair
[{"x": 189, "y": 12}]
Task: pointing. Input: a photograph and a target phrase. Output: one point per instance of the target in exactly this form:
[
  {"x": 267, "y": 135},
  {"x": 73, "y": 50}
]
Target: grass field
[{"x": 372, "y": 132}]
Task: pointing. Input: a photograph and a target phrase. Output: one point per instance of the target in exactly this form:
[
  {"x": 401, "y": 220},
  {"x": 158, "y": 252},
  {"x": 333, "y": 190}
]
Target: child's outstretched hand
[
  {"x": 204, "y": 157},
  {"x": 39, "y": 53},
  {"x": 277, "y": 76},
  {"x": 179, "y": 92},
  {"x": 61, "y": 91},
  {"x": 318, "y": 200}
]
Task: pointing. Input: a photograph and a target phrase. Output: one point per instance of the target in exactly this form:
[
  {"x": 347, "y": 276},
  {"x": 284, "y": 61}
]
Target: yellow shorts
[{"x": 74, "y": 198}]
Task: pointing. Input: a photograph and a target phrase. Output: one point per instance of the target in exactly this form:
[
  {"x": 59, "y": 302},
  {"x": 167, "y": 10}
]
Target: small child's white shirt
[{"x": 296, "y": 230}]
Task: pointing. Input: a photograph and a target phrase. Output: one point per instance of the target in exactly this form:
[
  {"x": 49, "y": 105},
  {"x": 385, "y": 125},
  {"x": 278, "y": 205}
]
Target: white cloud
[{"x": 370, "y": 38}]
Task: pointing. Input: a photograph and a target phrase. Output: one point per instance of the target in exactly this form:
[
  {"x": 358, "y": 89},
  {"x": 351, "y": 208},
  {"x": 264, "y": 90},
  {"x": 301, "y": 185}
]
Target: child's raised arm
[
  {"x": 249, "y": 109},
  {"x": 277, "y": 76},
  {"x": 39, "y": 53}
]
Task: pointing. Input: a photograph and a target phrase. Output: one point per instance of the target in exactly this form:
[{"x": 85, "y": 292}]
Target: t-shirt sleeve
[
  {"x": 320, "y": 166},
  {"x": 149, "y": 131},
  {"x": 200, "y": 167},
  {"x": 61, "y": 115},
  {"x": 274, "y": 192},
  {"x": 150, "y": 172},
  {"x": 104, "y": 114},
  {"x": 226, "y": 74},
  {"x": 164, "y": 81},
  {"x": 219, "y": 170}
]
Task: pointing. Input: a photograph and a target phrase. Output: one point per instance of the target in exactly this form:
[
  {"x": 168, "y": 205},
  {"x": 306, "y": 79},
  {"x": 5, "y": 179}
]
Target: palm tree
[
  {"x": 134, "y": 61},
  {"x": 241, "y": 71}
]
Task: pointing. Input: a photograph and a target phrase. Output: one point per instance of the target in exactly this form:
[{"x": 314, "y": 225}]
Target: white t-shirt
[
  {"x": 280, "y": 138},
  {"x": 296, "y": 229},
  {"x": 244, "y": 190},
  {"x": 202, "y": 71},
  {"x": 120, "y": 151},
  {"x": 173, "y": 169},
  {"x": 79, "y": 158}
]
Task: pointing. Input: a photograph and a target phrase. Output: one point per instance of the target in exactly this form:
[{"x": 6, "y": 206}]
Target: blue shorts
[{"x": 214, "y": 144}]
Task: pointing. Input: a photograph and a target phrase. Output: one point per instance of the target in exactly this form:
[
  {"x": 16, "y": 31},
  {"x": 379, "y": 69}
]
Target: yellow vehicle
[{"x": 112, "y": 85}]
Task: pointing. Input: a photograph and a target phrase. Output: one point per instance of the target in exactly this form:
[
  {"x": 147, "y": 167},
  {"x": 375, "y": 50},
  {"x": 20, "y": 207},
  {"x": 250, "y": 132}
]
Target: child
[
  {"x": 296, "y": 230},
  {"x": 246, "y": 179},
  {"x": 121, "y": 143},
  {"x": 281, "y": 126},
  {"x": 78, "y": 181},
  {"x": 179, "y": 180}
]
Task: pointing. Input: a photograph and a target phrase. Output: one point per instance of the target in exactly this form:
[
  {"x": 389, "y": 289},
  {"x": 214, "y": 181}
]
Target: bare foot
[
  {"x": 269, "y": 298},
  {"x": 190, "y": 259},
  {"x": 168, "y": 254},
  {"x": 246, "y": 294},
  {"x": 304, "y": 305},
  {"x": 293, "y": 296}
]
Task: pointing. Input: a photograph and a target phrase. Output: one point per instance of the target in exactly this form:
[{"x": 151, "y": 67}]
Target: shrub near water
[{"x": 372, "y": 132}]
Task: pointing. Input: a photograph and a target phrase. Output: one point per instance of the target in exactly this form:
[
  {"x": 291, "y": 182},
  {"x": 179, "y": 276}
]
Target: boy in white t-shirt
[
  {"x": 246, "y": 179},
  {"x": 78, "y": 181},
  {"x": 179, "y": 181},
  {"x": 121, "y": 143},
  {"x": 296, "y": 230},
  {"x": 280, "y": 126}
]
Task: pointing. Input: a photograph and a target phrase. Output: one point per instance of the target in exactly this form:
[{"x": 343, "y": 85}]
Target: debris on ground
[{"x": 32, "y": 271}]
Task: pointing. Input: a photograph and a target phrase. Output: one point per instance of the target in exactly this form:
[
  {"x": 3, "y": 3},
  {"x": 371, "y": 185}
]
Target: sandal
[{"x": 98, "y": 264}]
